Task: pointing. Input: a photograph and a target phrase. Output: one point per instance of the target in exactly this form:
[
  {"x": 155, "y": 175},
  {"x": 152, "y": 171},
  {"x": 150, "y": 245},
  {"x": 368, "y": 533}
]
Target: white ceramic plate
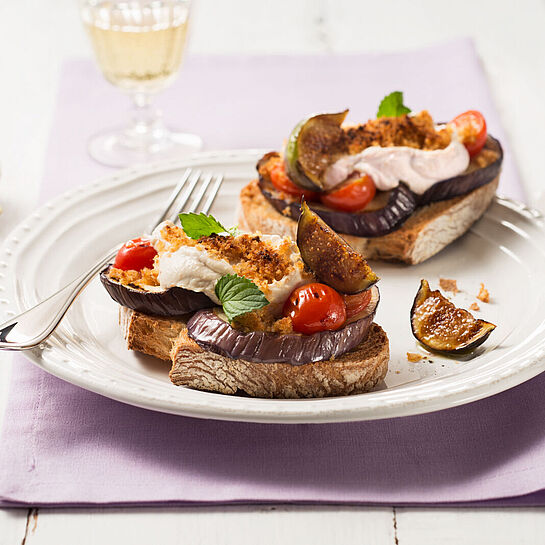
[{"x": 505, "y": 250}]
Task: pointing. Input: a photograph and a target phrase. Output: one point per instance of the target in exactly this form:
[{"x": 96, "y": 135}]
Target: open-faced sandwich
[
  {"x": 251, "y": 313},
  {"x": 399, "y": 187}
]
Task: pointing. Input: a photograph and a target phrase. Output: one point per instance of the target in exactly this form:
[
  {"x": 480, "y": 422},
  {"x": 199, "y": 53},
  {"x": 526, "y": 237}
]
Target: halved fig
[
  {"x": 330, "y": 257},
  {"x": 442, "y": 327},
  {"x": 379, "y": 218},
  {"x": 173, "y": 302},
  {"x": 312, "y": 146},
  {"x": 473, "y": 178},
  {"x": 215, "y": 334}
]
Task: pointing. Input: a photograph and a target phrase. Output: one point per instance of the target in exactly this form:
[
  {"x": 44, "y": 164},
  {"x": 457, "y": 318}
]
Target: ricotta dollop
[
  {"x": 387, "y": 166},
  {"x": 196, "y": 269}
]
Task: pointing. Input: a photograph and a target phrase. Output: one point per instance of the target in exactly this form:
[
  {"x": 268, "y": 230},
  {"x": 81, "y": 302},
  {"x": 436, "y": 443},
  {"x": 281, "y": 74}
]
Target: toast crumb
[
  {"x": 474, "y": 306},
  {"x": 413, "y": 358},
  {"x": 484, "y": 294},
  {"x": 448, "y": 284}
]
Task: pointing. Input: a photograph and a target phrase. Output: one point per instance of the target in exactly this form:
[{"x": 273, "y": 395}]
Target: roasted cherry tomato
[
  {"x": 315, "y": 307},
  {"x": 135, "y": 255},
  {"x": 352, "y": 196},
  {"x": 471, "y": 127},
  {"x": 281, "y": 181},
  {"x": 355, "y": 304}
]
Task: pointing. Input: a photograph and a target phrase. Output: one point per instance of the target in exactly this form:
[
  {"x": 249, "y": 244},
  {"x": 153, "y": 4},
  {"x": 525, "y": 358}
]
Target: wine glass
[{"x": 138, "y": 45}]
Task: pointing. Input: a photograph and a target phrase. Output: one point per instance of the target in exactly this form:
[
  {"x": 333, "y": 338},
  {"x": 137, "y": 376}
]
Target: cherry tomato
[
  {"x": 281, "y": 181},
  {"x": 315, "y": 307},
  {"x": 135, "y": 255},
  {"x": 352, "y": 196},
  {"x": 471, "y": 127},
  {"x": 356, "y": 303}
]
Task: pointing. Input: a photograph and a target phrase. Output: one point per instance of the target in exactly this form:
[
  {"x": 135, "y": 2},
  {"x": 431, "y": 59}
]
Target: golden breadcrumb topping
[
  {"x": 414, "y": 131},
  {"x": 140, "y": 279},
  {"x": 264, "y": 319},
  {"x": 484, "y": 158},
  {"x": 483, "y": 294},
  {"x": 251, "y": 256},
  {"x": 173, "y": 238}
]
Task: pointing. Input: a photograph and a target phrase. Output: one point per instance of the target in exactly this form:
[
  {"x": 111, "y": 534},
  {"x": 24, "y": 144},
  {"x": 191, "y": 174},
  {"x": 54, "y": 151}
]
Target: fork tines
[{"x": 188, "y": 194}]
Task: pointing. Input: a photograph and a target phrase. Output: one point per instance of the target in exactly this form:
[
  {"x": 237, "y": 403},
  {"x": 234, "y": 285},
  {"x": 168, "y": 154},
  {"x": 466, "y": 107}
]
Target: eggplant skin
[
  {"x": 431, "y": 317},
  {"x": 465, "y": 182},
  {"x": 401, "y": 204},
  {"x": 213, "y": 334},
  {"x": 173, "y": 302}
]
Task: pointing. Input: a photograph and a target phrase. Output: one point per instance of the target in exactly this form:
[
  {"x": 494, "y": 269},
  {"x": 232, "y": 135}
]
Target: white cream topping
[
  {"x": 387, "y": 166},
  {"x": 193, "y": 268}
]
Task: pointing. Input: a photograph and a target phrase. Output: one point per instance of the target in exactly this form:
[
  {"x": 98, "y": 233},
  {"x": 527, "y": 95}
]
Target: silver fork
[{"x": 33, "y": 327}]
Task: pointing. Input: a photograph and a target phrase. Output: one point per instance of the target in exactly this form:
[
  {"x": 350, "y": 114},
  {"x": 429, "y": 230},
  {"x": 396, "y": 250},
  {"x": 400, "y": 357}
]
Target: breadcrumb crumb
[
  {"x": 264, "y": 319},
  {"x": 484, "y": 294},
  {"x": 474, "y": 306},
  {"x": 413, "y": 358},
  {"x": 448, "y": 284}
]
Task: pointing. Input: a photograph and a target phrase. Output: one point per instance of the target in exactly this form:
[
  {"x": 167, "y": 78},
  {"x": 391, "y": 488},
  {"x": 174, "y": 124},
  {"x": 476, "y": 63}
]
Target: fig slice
[
  {"x": 330, "y": 257},
  {"x": 442, "y": 327},
  {"x": 313, "y": 145},
  {"x": 173, "y": 302}
]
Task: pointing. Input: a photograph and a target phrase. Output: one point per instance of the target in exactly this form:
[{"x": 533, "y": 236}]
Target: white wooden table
[{"x": 36, "y": 36}]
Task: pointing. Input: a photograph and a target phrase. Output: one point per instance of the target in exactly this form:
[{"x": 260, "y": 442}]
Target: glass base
[{"x": 128, "y": 147}]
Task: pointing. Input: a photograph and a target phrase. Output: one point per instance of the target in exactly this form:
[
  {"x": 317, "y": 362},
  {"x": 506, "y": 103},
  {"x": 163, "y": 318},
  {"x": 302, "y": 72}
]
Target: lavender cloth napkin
[{"x": 62, "y": 445}]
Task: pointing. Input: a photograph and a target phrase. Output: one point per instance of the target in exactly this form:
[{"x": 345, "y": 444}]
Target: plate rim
[{"x": 321, "y": 410}]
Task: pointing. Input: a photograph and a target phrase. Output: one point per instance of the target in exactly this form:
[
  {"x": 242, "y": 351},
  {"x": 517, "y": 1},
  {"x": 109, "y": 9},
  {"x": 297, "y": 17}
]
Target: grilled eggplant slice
[
  {"x": 173, "y": 302},
  {"x": 212, "y": 332},
  {"x": 330, "y": 257},
  {"x": 312, "y": 146},
  {"x": 401, "y": 203},
  {"x": 442, "y": 327}
]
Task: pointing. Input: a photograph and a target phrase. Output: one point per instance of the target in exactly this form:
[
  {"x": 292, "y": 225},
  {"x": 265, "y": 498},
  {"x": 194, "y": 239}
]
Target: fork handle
[{"x": 37, "y": 323}]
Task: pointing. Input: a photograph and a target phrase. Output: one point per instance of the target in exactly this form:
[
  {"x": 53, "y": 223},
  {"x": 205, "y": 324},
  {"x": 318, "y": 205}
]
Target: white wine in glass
[{"x": 139, "y": 46}]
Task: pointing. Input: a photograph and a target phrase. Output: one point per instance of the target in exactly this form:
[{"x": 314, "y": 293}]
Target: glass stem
[{"x": 146, "y": 118}]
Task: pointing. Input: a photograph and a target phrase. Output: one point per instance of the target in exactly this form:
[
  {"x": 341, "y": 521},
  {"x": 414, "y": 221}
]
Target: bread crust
[
  {"x": 356, "y": 372},
  {"x": 426, "y": 232}
]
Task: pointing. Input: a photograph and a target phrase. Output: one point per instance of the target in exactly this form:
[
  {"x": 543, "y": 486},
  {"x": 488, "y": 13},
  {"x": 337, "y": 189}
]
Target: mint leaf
[
  {"x": 392, "y": 105},
  {"x": 234, "y": 231},
  {"x": 238, "y": 295},
  {"x": 200, "y": 225}
]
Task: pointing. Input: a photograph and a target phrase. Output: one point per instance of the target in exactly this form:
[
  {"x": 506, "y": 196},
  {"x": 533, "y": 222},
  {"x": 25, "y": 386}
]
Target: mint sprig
[
  {"x": 238, "y": 295},
  {"x": 392, "y": 105},
  {"x": 200, "y": 225}
]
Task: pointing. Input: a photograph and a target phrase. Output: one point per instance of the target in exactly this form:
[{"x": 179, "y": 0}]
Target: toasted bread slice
[
  {"x": 427, "y": 231},
  {"x": 355, "y": 372}
]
